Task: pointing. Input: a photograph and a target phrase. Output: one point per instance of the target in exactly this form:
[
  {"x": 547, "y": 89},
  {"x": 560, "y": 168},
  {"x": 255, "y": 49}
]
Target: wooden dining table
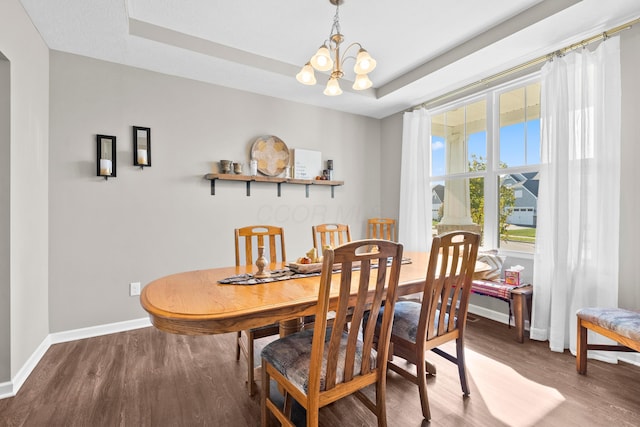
[{"x": 195, "y": 303}]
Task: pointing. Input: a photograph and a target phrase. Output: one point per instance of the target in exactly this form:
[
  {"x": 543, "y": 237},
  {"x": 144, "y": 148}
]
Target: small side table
[{"x": 517, "y": 297}]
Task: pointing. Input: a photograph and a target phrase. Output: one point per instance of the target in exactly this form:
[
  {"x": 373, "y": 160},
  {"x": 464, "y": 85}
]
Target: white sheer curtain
[
  {"x": 576, "y": 260},
  {"x": 414, "y": 222}
]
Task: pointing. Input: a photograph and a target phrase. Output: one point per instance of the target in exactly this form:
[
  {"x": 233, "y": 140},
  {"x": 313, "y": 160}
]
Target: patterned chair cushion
[
  {"x": 623, "y": 322},
  {"x": 405, "y": 319},
  {"x": 291, "y": 356}
]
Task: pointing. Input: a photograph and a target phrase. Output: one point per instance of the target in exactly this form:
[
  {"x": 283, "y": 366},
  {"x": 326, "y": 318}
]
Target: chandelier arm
[{"x": 344, "y": 53}]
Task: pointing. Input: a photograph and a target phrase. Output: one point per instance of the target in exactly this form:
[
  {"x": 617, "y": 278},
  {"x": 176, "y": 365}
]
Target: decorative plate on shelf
[{"x": 272, "y": 155}]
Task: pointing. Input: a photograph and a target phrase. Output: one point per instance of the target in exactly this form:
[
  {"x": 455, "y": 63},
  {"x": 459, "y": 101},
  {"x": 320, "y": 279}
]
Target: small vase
[{"x": 261, "y": 263}]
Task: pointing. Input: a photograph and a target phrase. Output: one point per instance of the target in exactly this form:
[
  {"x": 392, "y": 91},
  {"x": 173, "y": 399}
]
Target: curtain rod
[{"x": 528, "y": 64}]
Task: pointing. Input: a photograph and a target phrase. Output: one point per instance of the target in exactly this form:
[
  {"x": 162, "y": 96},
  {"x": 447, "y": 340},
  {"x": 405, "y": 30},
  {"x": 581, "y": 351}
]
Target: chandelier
[{"x": 323, "y": 61}]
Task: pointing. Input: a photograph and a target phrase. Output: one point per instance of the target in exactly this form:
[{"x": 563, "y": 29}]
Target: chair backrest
[
  {"x": 381, "y": 228},
  {"x": 448, "y": 285},
  {"x": 330, "y": 235},
  {"x": 272, "y": 238},
  {"x": 376, "y": 280}
]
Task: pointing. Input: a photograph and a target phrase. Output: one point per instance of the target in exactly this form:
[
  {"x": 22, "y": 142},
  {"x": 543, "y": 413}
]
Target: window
[{"x": 485, "y": 156}]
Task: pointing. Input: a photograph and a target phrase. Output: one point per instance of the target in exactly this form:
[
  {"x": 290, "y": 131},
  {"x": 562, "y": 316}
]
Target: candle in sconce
[
  {"x": 142, "y": 157},
  {"x": 105, "y": 167}
]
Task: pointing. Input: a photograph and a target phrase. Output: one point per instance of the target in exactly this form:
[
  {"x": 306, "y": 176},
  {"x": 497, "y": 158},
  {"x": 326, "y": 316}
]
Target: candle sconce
[
  {"x": 141, "y": 146},
  {"x": 106, "y": 156}
]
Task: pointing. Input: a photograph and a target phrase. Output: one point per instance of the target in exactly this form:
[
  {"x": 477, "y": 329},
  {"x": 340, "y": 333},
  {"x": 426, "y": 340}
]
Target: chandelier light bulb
[
  {"x": 333, "y": 87},
  {"x": 306, "y": 75},
  {"x": 364, "y": 63},
  {"x": 362, "y": 82},
  {"x": 322, "y": 61}
]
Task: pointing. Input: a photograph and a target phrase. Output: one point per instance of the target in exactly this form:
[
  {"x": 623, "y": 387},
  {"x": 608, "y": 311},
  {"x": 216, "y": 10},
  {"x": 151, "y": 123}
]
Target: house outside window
[{"x": 485, "y": 157}]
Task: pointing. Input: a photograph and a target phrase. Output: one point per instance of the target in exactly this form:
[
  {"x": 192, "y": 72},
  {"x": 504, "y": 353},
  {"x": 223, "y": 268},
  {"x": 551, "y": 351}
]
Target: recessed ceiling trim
[
  {"x": 207, "y": 47},
  {"x": 517, "y": 23}
]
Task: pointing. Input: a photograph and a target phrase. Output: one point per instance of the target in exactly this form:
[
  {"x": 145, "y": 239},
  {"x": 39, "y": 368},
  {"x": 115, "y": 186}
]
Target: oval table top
[{"x": 194, "y": 303}]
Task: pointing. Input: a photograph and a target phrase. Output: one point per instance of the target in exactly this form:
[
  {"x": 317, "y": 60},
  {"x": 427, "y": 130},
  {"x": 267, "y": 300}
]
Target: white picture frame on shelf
[{"x": 307, "y": 164}]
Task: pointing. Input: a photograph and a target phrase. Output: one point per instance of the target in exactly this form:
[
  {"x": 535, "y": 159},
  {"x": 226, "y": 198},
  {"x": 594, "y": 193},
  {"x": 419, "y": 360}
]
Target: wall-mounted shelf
[{"x": 248, "y": 179}]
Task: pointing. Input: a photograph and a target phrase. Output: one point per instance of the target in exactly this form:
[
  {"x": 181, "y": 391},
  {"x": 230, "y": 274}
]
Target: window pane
[
  {"x": 458, "y": 137},
  {"x": 518, "y": 203},
  {"x": 437, "y": 145},
  {"x": 476, "y": 131},
  {"x": 458, "y": 204},
  {"x": 533, "y": 141},
  {"x": 520, "y": 126}
]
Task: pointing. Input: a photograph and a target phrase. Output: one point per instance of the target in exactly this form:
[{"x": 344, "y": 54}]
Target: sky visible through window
[{"x": 512, "y": 146}]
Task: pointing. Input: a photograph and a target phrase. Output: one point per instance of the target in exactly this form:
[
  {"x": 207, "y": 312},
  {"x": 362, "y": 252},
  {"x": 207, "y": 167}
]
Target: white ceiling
[{"x": 424, "y": 48}]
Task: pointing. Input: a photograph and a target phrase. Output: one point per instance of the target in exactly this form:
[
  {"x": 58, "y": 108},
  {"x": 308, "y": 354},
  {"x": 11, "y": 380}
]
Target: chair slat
[{"x": 330, "y": 235}]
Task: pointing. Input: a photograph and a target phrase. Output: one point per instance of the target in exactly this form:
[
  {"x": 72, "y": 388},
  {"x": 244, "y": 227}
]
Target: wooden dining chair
[
  {"x": 317, "y": 367},
  {"x": 442, "y": 314},
  {"x": 330, "y": 235},
  {"x": 272, "y": 239},
  {"x": 381, "y": 228}
]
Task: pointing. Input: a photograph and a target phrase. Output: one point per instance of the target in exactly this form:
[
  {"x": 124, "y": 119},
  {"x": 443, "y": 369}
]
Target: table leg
[
  {"x": 288, "y": 327},
  {"x": 518, "y": 315}
]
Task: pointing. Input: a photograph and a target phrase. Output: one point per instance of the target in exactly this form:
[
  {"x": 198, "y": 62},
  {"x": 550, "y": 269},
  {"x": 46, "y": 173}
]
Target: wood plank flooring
[{"x": 149, "y": 378}]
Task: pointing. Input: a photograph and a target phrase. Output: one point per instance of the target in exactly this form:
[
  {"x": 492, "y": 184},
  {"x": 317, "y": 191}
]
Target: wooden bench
[
  {"x": 620, "y": 325},
  {"x": 518, "y": 297}
]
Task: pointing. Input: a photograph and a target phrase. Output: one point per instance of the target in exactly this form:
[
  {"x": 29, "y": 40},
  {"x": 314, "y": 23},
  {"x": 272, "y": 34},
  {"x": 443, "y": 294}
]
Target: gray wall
[
  {"x": 629, "y": 290},
  {"x": 21, "y": 44},
  {"x": 145, "y": 224},
  {"x": 391, "y": 155},
  {"x": 5, "y": 164}
]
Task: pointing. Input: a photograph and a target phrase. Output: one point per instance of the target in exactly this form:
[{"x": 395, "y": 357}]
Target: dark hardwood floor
[{"x": 150, "y": 378}]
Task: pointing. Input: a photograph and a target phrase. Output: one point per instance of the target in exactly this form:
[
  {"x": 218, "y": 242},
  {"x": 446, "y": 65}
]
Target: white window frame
[{"x": 492, "y": 172}]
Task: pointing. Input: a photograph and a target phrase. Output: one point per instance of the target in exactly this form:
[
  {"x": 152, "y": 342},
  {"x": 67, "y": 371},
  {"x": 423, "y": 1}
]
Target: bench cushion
[
  {"x": 623, "y": 322},
  {"x": 493, "y": 289}
]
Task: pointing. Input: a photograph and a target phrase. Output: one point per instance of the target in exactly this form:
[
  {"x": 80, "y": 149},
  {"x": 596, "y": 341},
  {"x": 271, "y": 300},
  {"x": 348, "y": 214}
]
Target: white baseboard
[
  {"x": 96, "y": 331},
  {"x": 6, "y": 390},
  {"x": 633, "y": 358},
  {"x": 30, "y": 365},
  {"x": 11, "y": 388},
  {"x": 489, "y": 314}
]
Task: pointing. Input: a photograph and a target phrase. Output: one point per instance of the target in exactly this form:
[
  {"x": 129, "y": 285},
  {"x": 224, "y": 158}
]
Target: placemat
[{"x": 276, "y": 275}]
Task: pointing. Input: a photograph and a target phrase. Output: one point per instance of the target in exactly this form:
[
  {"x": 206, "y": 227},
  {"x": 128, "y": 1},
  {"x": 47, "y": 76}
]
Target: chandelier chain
[{"x": 336, "y": 22}]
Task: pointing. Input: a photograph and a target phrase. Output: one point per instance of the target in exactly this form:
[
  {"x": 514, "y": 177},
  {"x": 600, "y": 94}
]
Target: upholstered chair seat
[{"x": 291, "y": 356}]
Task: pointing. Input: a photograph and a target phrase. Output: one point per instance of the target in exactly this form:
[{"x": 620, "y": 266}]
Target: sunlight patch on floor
[{"x": 511, "y": 398}]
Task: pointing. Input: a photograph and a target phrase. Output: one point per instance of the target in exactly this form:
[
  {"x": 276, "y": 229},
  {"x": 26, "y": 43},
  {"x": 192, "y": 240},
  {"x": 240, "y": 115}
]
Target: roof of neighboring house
[
  {"x": 527, "y": 180},
  {"x": 517, "y": 177},
  {"x": 439, "y": 190},
  {"x": 532, "y": 186},
  {"x": 532, "y": 183}
]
